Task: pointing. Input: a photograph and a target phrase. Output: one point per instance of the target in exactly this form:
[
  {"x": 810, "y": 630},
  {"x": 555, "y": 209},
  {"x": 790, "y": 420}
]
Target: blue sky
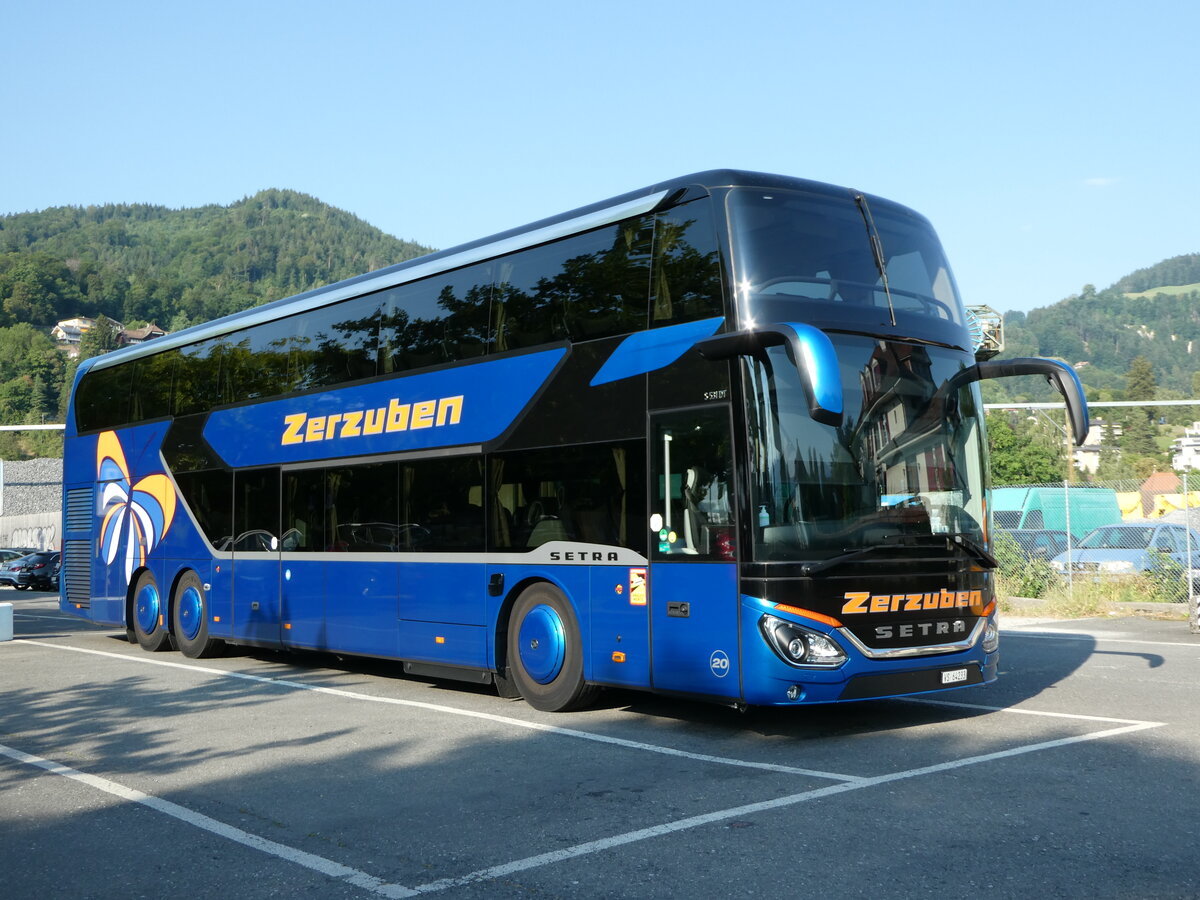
[{"x": 1052, "y": 144}]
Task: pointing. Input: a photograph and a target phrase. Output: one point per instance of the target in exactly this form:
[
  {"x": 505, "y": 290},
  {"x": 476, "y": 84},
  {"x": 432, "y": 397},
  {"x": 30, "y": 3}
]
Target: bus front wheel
[
  {"x": 545, "y": 653},
  {"x": 149, "y": 627},
  {"x": 189, "y": 618}
]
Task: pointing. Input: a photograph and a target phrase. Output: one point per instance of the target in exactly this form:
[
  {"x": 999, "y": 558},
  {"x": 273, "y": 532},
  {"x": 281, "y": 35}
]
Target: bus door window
[
  {"x": 256, "y": 510},
  {"x": 691, "y": 510},
  {"x": 304, "y": 511}
]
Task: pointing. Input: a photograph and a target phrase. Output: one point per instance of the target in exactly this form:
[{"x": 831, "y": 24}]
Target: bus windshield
[
  {"x": 906, "y": 461},
  {"x": 799, "y": 250}
]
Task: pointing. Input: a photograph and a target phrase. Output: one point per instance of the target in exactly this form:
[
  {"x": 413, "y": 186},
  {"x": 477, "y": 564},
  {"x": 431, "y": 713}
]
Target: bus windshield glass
[
  {"x": 798, "y": 250},
  {"x": 906, "y": 461}
]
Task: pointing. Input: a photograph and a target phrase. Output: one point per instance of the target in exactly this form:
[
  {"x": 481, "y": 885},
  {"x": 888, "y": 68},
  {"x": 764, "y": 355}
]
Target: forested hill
[
  {"x": 1153, "y": 313},
  {"x": 137, "y": 263}
]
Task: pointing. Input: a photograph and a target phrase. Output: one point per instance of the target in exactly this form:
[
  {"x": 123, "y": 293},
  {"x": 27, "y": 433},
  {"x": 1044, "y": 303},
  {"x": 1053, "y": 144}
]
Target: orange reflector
[
  {"x": 287, "y": 626},
  {"x": 808, "y": 614},
  {"x": 216, "y": 618},
  {"x": 160, "y": 620},
  {"x": 618, "y": 656},
  {"x": 989, "y": 609},
  {"x": 439, "y": 640}
]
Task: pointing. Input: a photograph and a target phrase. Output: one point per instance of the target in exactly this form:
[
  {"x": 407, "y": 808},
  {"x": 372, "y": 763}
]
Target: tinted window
[
  {"x": 103, "y": 398},
  {"x": 306, "y": 510},
  {"x": 199, "y": 378},
  {"x": 256, "y": 363},
  {"x": 686, "y": 283},
  {"x": 209, "y": 495},
  {"x": 442, "y": 503},
  {"x": 438, "y": 320},
  {"x": 365, "y": 503},
  {"x": 586, "y": 494},
  {"x": 334, "y": 345},
  {"x": 150, "y": 397},
  {"x": 256, "y": 509},
  {"x": 588, "y": 286}
]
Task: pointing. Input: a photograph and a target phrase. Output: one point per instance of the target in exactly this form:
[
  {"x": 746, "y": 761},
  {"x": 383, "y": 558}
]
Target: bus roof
[{"x": 585, "y": 218}]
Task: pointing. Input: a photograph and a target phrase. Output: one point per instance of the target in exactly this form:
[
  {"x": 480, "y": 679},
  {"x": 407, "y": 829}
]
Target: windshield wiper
[
  {"x": 848, "y": 555},
  {"x": 953, "y": 542},
  {"x": 876, "y": 248}
]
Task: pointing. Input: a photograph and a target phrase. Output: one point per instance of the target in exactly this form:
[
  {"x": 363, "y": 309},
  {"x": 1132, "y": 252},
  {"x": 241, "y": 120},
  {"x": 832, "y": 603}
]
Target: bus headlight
[
  {"x": 799, "y": 646},
  {"x": 991, "y": 637}
]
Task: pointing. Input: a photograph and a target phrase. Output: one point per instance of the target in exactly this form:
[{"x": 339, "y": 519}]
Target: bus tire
[
  {"x": 545, "y": 653},
  {"x": 149, "y": 626},
  {"x": 189, "y": 619}
]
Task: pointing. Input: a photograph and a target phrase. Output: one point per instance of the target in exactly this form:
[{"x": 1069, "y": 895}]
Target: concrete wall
[{"x": 37, "y": 530}]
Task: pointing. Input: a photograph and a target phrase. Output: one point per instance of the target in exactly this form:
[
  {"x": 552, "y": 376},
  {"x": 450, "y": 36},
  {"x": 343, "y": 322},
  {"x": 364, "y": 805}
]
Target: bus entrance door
[{"x": 693, "y": 572}]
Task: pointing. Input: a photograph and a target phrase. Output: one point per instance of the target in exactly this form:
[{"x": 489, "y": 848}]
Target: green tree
[
  {"x": 1138, "y": 437},
  {"x": 100, "y": 338},
  {"x": 1024, "y": 454}
]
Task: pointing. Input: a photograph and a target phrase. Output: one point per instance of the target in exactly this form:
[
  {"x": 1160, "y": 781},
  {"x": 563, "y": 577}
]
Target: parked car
[
  {"x": 8, "y": 554},
  {"x": 37, "y": 570},
  {"x": 1038, "y": 543},
  {"x": 1129, "y": 549},
  {"x": 10, "y": 568}
]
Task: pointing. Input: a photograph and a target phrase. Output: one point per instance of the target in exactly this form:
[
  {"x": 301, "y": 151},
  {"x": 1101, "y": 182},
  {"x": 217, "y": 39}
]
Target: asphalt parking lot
[{"x": 127, "y": 774}]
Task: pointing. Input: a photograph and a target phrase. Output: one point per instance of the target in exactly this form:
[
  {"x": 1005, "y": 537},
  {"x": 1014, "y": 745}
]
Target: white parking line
[
  {"x": 378, "y": 886},
  {"x": 1029, "y": 712},
  {"x": 451, "y": 710},
  {"x": 738, "y": 812},
  {"x": 199, "y": 820}
]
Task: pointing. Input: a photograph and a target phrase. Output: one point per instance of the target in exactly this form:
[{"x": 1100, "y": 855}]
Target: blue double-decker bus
[{"x": 720, "y": 437}]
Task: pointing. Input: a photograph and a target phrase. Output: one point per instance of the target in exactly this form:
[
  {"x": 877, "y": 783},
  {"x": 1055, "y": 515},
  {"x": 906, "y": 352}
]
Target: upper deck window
[{"x": 794, "y": 249}]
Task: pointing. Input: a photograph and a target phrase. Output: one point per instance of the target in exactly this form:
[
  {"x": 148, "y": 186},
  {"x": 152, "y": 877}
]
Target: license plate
[{"x": 954, "y": 676}]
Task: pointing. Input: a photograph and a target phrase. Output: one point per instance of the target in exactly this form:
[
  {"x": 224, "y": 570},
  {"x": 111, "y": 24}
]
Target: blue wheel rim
[
  {"x": 147, "y": 607},
  {"x": 542, "y": 643},
  {"x": 191, "y": 612}
]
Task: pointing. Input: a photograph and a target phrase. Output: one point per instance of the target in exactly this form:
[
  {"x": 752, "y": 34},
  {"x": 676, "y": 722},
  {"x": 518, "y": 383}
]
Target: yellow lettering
[
  {"x": 962, "y": 598},
  {"x": 422, "y": 414},
  {"x": 331, "y": 425},
  {"x": 291, "y": 428},
  {"x": 879, "y": 603},
  {"x": 374, "y": 421},
  {"x": 397, "y": 417},
  {"x": 315, "y": 430},
  {"x": 350, "y": 426},
  {"x": 930, "y": 601},
  {"x": 913, "y": 603},
  {"x": 449, "y": 410},
  {"x": 856, "y": 602}
]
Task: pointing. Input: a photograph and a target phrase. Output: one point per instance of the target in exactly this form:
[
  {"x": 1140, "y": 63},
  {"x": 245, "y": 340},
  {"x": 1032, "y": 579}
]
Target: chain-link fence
[{"x": 1101, "y": 542}]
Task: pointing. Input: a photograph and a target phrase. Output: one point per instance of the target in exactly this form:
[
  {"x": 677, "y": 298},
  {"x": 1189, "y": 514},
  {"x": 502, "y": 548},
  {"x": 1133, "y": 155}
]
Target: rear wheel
[
  {"x": 545, "y": 653},
  {"x": 189, "y": 616},
  {"x": 148, "y": 625}
]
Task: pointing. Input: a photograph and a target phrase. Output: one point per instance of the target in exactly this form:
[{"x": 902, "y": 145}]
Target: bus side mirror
[
  {"x": 1058, "y": 373},
  {"x": 811, "y": 352}
]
